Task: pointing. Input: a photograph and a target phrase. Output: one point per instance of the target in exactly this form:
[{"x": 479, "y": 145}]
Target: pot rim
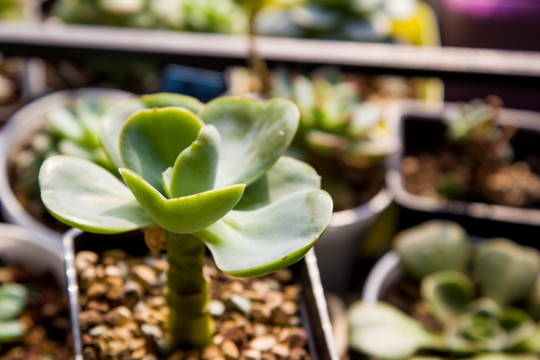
[
  {"x": 380, "y": 276},
  {"x": 363, "y": 212},
  {"x": 527, "y": 119},
  {"x": 13, "y": 132}
]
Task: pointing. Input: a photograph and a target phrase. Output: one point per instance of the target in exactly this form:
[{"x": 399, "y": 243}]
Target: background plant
[
  {"x": 69, "y": 130},
  {"x": 482, "y": 300},
  {"x": 196, "y": 175},
  {"x": 13, "y": 298}
]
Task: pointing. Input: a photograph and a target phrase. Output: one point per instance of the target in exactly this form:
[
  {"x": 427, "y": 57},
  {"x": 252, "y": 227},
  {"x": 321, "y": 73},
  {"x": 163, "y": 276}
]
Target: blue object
[{"x": 202, "y": 84}]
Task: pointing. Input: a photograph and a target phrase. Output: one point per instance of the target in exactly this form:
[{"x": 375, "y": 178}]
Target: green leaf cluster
[
  {"x": 223, "y": 16},
  {"x": 483, "y": 297}
]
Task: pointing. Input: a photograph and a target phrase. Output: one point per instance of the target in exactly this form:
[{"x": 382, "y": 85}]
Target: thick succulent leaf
[
  {"x": 195, "y": 169},
  {"x": 253, "y": 135},
  {"x": 84, "y": 195},
  {"x": 286, "y": 177},
  {"x": 186, "y": 214},
  {"x": 431, "y": 247},
  {"x": 447, "y": 292},
  {"x": 382, "y": 331},
  {"x": 505, "y": 271},
  {"x": 113, "y": 120},
  {"x": 152, "y": 139},
  {"x": 11, "y": 330},
  {"x": 13, "y": 298},
  {"x": 252, "y": 243}
]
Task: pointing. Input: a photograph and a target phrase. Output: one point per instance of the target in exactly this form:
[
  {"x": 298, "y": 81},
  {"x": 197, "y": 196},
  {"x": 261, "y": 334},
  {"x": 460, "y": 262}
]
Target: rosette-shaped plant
[
  {"x": 196, "y": 175},
  {"x": 482, "y": 300}
]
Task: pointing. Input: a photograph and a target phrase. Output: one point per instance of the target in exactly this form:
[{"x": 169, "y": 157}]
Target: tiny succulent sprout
[
  {"x": 478, "y": 311},
  {"x": 196, "y": 175},
  {"x": 13, "y": 299}
]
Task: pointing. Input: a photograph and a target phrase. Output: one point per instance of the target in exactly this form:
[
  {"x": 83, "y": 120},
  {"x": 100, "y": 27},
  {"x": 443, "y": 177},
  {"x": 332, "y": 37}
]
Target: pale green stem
[{"x": 188, "y": 294}]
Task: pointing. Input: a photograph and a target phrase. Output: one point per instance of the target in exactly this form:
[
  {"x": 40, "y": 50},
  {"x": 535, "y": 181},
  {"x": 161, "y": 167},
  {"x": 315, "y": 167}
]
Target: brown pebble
[
  {"x": 90, "y": 319},
  {"x": 230, "y": 350},
  {"x": 85, "y": 259},
  {"x": 298, "y": 338},
  {"x": 145, "y": 275},
  {"x": 100, "y": 306},
  {"x": 96, "y": 290},
  {"x": 119, "y": 316},
  {"x": 211, "y": 352},
  {"x": 132, "y": 292},
  {"x": 281, "y": 351},
  {"x": 252, "y": 354},
  {"x": 263, "y": 343},
  {"x": 261, "y": 313}
]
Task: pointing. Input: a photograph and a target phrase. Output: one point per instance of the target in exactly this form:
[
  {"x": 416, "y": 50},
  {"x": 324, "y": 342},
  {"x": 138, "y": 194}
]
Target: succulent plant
[
  {"x": 474, "y": 124},
  {"x": 196, "y": 175},
  {"x": 480, "y": 306},
  {"x": 69, "y": 130},
  {"x": 13, "y": 299}
]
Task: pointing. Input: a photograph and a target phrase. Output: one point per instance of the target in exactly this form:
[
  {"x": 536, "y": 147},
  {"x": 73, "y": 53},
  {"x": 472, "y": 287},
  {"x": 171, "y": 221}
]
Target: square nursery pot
[
  {"x": 40, "y": 268},
  {"x": 18, "y": 134},
  {"x": 420, "y": 128},
  {"x": 312, "y": 307}
]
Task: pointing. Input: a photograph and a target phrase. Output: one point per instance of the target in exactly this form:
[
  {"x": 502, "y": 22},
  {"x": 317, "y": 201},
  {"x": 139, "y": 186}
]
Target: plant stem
[{"x": 188, "y": 293}]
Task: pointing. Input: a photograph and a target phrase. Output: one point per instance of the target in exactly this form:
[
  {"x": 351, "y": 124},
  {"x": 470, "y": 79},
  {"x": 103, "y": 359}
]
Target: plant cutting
[
  {"x": 474, "y": 301},
  {"x": 196, "y": 175}
]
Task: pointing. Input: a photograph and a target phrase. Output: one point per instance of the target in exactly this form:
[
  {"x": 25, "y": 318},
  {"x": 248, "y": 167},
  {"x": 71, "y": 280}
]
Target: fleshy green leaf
[
  {"x": 447, "y": 292},
  {"x": 12, "y": 300},
  {"x": 382, "y": 331},
  {"x": 195, "y": 168},
  {"x": 186, "y": 214},
  {"x": 433, "y": 246},
  {"x": 11, "y": 331},
  {"x": 253, "y": 135},
  {"x": 252, "y": 243},
  {"x": 152, "y": 139},
  {"x": 286, "y": 177},
  {"x": 84, "y": 195},
  {"x": 506, "y": 272},
  {"x": 113, "y": 120}
]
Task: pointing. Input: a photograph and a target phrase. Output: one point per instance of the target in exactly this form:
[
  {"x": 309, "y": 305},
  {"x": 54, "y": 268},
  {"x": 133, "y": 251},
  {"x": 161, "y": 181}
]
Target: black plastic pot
[
  {"x": 421, "y": 126},
  {"x": 313, "y": 309}
]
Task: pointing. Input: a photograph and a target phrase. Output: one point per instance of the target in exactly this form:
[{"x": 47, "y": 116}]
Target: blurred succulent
[
  {"x": 223, "y": 16},
  {"x": 344, "y": 137},
  {"x": 194, "y": 176},
  {"x": 357, "y": 20},
  {"x": 484, "y": 304},
  {"x": 70, "y": 130},
  {"x": 13, "y": 298},
  {"x": 474, "y": 125}
]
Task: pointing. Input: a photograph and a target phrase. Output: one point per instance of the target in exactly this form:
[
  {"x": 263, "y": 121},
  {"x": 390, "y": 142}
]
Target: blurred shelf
[{"x": 212, "y": 51}]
